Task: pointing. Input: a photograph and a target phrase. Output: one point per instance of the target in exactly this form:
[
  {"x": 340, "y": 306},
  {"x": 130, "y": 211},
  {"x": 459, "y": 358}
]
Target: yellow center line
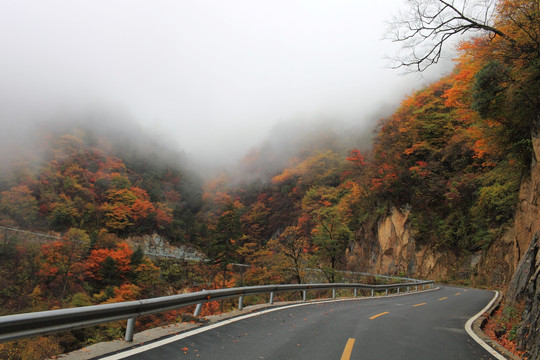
[
  {"x": 376, "y": 316},
  {"x": 456, "y": 294},
  {"x": 348, "y": 349},
  {"x": 444, "y": 298},
  {"x": 420, "y": 304}
]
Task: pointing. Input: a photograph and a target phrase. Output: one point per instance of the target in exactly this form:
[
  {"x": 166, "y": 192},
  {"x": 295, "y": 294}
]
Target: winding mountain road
[{"x": 427, "y": 325}]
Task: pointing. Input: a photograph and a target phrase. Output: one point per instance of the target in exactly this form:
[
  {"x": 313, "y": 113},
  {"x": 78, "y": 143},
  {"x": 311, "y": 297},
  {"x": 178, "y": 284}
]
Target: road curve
[{"x": 427, "y": 325}]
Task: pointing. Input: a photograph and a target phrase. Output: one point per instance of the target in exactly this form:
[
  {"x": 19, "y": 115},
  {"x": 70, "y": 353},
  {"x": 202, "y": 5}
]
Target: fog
[{"x": 212, "y": 77}]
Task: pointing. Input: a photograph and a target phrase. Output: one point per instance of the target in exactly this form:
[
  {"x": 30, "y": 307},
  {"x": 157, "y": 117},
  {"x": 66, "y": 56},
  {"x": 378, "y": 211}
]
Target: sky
[{"x": 214, "y": 76}]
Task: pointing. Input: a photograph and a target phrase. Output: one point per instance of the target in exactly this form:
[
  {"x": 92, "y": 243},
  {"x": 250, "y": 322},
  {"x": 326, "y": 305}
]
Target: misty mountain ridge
[{"x": 445, "y": 187}]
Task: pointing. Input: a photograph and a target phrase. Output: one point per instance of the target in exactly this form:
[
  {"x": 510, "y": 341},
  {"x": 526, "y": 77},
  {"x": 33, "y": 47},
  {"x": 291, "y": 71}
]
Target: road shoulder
[{"x": 474, "y": 329}]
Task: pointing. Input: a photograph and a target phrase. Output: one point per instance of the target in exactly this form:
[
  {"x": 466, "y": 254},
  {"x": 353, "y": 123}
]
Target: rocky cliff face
[
  {"x": 392, "y": 250},
  {"x": 500, "y": 262},
  {"x": 525, "y": 284},
  {"x": 525, "y": 287},
  {"x": 157, "y": 246},
  {"x": 513, "y": 260}
]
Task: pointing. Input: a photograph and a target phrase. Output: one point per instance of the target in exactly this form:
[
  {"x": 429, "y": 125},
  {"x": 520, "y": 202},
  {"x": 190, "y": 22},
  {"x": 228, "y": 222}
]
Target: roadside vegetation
[{"x": 454, "y": 154}]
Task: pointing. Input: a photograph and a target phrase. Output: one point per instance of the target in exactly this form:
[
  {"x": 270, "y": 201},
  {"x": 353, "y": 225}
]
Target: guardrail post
[
  {"x": 241, "y": 302},
  {"x": 130, "y": 311},
  {"x": 416, "y": 288},
  {"x": 130, "y": 328},
  {"x": 198, "y": 309},
  {"x": 398, "y": 290}
]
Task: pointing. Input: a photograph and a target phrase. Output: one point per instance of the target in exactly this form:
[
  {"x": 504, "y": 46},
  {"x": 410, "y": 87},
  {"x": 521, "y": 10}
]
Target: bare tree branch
[{"x": 430, "y": 24}]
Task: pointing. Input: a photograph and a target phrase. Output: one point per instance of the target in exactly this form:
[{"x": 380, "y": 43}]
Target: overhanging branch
[{"x": 432, "y": 23}]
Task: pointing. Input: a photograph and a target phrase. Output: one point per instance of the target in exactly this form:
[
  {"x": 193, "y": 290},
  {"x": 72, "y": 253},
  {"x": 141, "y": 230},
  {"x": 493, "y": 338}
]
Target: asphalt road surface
[{"x": 427, "y": 325}]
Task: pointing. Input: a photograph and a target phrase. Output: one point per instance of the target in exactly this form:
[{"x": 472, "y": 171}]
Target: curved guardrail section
[{"x": 13, "y": 327}]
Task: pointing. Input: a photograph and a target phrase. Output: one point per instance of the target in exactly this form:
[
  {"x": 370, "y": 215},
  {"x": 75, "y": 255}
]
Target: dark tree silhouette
[{"x": 429, "y": 24}]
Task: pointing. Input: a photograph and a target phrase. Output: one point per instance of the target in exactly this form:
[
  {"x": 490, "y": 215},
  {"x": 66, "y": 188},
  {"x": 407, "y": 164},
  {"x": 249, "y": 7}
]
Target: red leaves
[
  {"x": 121, "y": 256},
  {"x": 356, "y": 158},
  {"x": 420, "y": 169},
  {"x": 141, "y": 209}
]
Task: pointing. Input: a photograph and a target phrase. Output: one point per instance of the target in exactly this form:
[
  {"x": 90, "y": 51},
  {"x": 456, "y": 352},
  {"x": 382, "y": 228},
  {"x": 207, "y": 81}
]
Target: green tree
[
  {"x": 20, "y": 204},
  {"x": 290, "y": 252},
  {"x": 223, "y": 247},
  {"x": 330, "y": 237},
  {"x": 511, "y": 105}
]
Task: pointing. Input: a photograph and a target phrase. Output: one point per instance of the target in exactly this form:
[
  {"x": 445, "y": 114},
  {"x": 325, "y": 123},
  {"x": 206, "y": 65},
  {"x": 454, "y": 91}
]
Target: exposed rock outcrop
[
  {"x": 512, "y": 261},
  {"x": 156, "y": 245},
  {"x": 392, "y": 250},
  {"x": 525, "y": 286}
]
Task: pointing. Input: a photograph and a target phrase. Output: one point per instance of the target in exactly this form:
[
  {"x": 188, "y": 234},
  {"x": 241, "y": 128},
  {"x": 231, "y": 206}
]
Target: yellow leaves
[
  {"x": 117, "y": 216},
  {"x": 36, "y": 295},
  {"x": 128, "y": 206},
  {"x": 124, "y": 196},
  {"x": 318, "y": 169},
  {"x": 519, "y": 20},
  {"x": 36, "y": 348},
  {"x": 422, "y": 145},
  {"x": 318, "y": 197},
  {"x": 20, "y": 204},
  {"x": 124, "y": 292},
  {"x": 286, "y": 175}
]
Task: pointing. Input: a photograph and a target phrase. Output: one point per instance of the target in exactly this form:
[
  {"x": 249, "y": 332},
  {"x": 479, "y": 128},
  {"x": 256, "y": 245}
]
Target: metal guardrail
[
  {"x": 376, "y": 276},
  {"x": 30, "y": 232},
  {"x": 13, "y": 327}
]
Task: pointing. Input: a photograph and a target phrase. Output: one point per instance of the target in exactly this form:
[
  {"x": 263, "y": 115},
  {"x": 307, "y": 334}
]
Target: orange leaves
[
  {"x": 418, "y": 147},
  {"x": 420, "y": 169},
  {"x": 163, "y": 214},
  {"x": 141, "y": 209},
  {"x": 121, "y": 256},
  {"x": 61, "y": 264},
  {"x": 125, "y": 292},
  {"x": 285, "y": 176},
  {"x": 85, "y": 184},
  {"x": 127, "y": 207}
]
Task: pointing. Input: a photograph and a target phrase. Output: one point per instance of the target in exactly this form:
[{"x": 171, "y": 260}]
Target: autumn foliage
[{"x": 452, "y": 156}]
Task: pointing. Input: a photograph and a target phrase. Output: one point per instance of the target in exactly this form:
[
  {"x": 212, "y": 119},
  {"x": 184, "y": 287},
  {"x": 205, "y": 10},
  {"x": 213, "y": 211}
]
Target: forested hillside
[
  {"x": 452, "y": 161},
  {"x": 450, "y": 164},
  {"x": 77, "y": 177},
  {"x": 90, "y": 191}
]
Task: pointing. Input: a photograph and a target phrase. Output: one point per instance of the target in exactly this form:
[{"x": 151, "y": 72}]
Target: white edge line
[
  {"x": 171, "y": 339},
  {"x": 186, "y": 334},
  {"x": 468, "y": 328}
]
